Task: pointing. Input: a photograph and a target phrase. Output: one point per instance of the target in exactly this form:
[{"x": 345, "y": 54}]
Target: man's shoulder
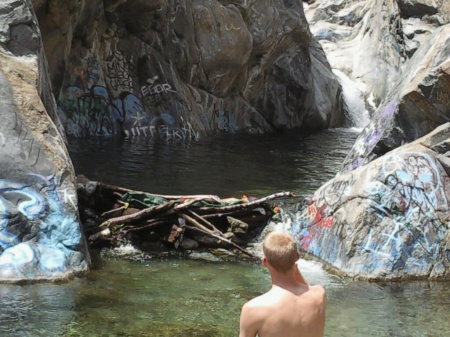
[
  {"x": 318, "y": 292},
  {"x": 258, "y": 301},
  {"x": 317, "y": 288}
]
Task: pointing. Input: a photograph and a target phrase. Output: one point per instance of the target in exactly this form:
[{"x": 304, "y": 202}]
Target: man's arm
[{"x": 248, "y": 325}]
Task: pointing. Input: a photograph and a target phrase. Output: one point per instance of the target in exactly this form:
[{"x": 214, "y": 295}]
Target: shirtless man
[{"x": 291, "y": 308}]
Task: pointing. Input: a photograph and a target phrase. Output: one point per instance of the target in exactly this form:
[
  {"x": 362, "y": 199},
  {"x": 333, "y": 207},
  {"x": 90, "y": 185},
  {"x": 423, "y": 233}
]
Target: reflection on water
[
  {"x": 224, "y": 166},
  {"x": 192, "y": 298}
]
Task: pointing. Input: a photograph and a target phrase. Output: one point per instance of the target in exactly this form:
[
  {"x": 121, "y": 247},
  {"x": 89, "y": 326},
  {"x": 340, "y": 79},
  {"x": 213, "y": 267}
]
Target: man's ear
[{"x": 264, "y": 261}]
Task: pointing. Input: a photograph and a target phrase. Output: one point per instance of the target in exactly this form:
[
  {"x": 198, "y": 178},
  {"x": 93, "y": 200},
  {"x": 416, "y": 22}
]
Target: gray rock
[
  {"x": 149, "y": 69},
  {"x": 419, "y": 103},
  {"x": 188, "y": 244},
  {"x": 419, "y": 8},
  {"x": 389, "y": 219},
  {"x": 395, "y": 54},
  {"x": 40, "y": 233}
]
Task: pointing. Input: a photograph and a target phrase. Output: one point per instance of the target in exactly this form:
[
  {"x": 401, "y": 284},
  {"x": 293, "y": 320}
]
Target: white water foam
[{"x": 353, "y": 95}]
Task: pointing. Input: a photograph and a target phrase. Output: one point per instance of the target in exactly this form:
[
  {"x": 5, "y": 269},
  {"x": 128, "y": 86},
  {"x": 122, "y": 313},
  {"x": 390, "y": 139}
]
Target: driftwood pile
[{"x": 115, "y": 215}]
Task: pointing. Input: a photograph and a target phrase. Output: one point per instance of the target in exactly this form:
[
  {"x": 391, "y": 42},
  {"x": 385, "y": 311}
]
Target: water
[
  {"x": 174, "y": 297},
  {"x": 228, "y": 165}
]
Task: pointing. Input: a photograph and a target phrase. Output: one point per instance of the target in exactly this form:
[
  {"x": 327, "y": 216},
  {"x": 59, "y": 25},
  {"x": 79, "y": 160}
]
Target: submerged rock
[{"x": 387, "y": 220}]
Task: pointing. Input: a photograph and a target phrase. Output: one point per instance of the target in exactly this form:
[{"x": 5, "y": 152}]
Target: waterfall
[{"x": 353, "y": 96}]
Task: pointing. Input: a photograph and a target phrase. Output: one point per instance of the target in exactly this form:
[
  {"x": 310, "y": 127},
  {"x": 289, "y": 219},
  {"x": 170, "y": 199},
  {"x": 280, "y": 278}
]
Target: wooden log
[
  {"x": 146, "y": 212},
  {"x": 200, "y": 218},
  {"x": 195, "y": 223},
  {"x": 112, "y": 211},
  {"x": 188, "y": 202},
  {"x": 148, "y": 224},
  {"x": 247, "y": 205},
  {"x": 124, "y": 190},
  {"x": 224, "y": 239},
  {"x": 175, "y": 236}
]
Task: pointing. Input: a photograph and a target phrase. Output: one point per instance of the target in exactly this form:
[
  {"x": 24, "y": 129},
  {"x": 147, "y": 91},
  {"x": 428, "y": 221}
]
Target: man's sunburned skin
[{"x": 291, "y": 308}]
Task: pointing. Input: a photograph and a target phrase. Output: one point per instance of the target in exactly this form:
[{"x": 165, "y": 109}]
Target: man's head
[{"x": 280, "y": 251}]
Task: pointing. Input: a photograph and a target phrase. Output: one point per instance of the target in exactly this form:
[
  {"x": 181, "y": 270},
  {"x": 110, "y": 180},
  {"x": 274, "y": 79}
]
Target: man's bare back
[
  {"x": 291, "y": 308},
  {"x": 295, "y": 312}
]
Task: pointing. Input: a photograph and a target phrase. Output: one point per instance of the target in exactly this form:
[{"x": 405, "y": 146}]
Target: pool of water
[
  {"x": 178, "y": 297},
  {"x": 221, "y": 165}
]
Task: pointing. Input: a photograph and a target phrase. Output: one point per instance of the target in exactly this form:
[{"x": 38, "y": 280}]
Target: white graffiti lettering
[
  {"x": 156, "y": 89},
  {"x": 69, "y": 197}
]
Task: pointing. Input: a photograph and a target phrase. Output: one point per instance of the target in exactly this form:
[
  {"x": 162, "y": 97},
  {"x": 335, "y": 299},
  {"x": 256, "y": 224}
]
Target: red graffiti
[{"x": 319, "y": 216}]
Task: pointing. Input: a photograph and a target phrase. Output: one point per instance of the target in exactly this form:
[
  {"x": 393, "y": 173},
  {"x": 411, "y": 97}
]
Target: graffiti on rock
[
  {"x": 26, "y": 142},
  {"x": 225, "y": 120},
  {"x": 94, "y": 113},
  {"x": 370, "y": 137},
  {"x": 152, "y": 89},
  {"x": 28, "y": 202},
  {"x": 397, "y": 222},
  {"x": 319, "y": 216},
  {"x": 164, "y": 126},
  {"x": 89, "y": 112},
  {"x": 119, "y": 72},
  {"x": 154, "y": 93},
  {"x": 87, "y": 108},
  {"x": 409, "y": 195},
  {"x": 58, "y": 234}
]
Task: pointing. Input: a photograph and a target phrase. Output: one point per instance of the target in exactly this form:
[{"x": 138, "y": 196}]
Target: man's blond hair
[{"x": 280, "y": 250}]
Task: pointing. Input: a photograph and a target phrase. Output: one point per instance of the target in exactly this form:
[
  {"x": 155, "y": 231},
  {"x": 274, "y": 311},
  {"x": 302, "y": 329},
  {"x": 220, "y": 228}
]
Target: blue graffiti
[
  {"x": 59, "y": 234},
  {"x": 32, "y": 206},
  {"x": 89, "y": 112}
]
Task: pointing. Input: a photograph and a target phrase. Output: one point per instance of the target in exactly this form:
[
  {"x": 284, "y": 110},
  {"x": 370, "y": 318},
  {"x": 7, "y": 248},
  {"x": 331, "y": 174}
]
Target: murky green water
[{"x": 177, "y": 297}]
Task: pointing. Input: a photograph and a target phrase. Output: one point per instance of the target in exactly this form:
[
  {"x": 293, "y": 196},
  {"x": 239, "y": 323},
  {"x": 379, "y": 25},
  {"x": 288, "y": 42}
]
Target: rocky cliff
[
  {"x": 387, "y": 220},
  {"x": 392, "y": 56},
  {"x": 181, "y": 68}
]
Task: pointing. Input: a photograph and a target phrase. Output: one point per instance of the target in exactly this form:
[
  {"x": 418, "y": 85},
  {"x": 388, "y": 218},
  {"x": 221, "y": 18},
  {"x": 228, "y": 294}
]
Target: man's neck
[{"x": 285, "y": 280}]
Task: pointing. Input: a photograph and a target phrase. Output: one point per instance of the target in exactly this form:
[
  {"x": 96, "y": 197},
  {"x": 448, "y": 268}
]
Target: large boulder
[
  {"x": 394, "y": 56},
  {"x": 40, "y": 234},
  {"x": 387, "y": 220},
  {"x": 419, "y": 103},
  {"x": 183, "y": 68}
]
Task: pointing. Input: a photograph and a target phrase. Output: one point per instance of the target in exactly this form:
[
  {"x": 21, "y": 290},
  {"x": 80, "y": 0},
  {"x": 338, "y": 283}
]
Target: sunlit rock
[
  {"x": 419, "y": 103},
  {"x": 389, "y": 219},
  {"x": 40, "y": 234},
  {"x": 396, "y": 54}
]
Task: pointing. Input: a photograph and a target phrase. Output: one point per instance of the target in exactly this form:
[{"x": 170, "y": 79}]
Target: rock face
[
  {"x": 389, "y": 219},
  {"x": 420, "y": 102},
  {"x": 40, "y": 234},
  {"x": 396, "y": 55},
  {"x": 140, "y": 68},
  {"x": 181, "y": 68}
]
